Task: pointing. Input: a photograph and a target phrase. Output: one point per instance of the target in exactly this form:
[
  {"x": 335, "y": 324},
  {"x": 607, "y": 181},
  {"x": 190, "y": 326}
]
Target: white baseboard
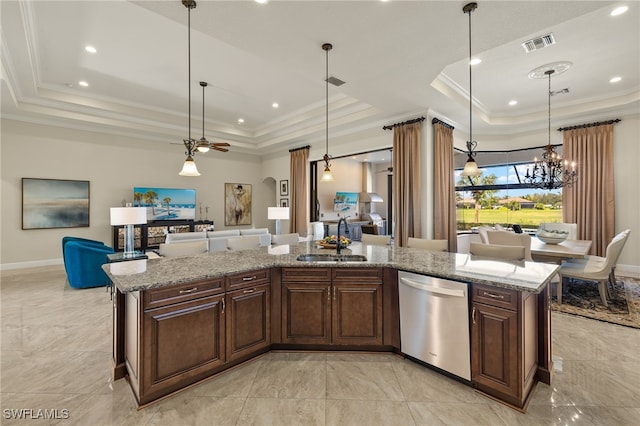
[
  {"x": 628, "y": 270},
  {"x": 31, "y": 264}
]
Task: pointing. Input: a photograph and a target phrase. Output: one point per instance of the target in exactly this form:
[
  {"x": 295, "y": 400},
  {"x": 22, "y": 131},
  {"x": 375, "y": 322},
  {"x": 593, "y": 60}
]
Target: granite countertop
[{"x": 155, "y": 273}]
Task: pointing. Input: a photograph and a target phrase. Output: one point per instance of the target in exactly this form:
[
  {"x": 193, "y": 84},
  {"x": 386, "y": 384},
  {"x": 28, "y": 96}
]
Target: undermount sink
[{"x": 327, "y": 257}]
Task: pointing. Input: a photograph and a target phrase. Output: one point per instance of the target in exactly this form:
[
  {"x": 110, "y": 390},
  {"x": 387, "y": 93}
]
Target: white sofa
[{"x": 219, "y": 240}]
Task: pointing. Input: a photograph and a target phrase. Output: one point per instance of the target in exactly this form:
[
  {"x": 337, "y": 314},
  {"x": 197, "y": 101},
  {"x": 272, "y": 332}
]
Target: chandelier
[{"x": 551, "y": 171}]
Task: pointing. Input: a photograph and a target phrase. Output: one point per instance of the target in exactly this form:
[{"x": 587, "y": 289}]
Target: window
[{"x": 500, "y": 194}]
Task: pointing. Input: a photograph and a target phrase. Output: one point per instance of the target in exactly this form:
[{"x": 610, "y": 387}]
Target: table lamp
[
  {"x": 277, "y": 214},
  {"x": 128, "y": 216}
]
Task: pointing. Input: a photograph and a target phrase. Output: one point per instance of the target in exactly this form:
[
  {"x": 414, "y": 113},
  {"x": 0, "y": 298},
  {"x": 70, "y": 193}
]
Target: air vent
[
  {"x": 335, "y": 81},
  {"x": 560, "y": 92},
  {"x": 539, "y": 42}
]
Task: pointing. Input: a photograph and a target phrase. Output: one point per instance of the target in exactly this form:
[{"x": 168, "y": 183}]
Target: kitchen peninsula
[{"x": 182, "y": 320}]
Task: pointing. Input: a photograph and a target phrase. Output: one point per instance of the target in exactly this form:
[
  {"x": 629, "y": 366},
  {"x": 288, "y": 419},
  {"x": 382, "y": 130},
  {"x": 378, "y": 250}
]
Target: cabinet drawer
[
  {"x": 354, "y": 275},
  {"x": 306, "y": 274},
  {"x": 495, "y": 296},
  {"x": 181, "y": 293},
  {"x": 246, "y": 279}
]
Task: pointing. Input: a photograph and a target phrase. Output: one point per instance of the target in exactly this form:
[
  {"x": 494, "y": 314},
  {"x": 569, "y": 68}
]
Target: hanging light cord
[
  {"x": 327, "y": 99},
  {"x": 189, "y": 60},
  {"x": 470, "y": 82},
  {"x": 203, "y": 84},
  {"x": 549, "y": 106}
]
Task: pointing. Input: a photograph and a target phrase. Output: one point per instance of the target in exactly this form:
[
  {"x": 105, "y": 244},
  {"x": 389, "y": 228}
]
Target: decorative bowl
[{"x": 551, "y": 237}]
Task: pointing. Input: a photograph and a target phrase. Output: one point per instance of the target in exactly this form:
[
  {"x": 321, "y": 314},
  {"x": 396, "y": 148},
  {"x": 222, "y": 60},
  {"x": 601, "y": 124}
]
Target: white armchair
[
  {"x": 421, "y": 243},
  {"x": 508, "y": 238},
  {"x": 595, "y": 268}
]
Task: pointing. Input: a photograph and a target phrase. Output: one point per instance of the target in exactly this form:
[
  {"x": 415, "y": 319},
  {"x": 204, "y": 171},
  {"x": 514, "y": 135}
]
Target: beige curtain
[
  {"x": 590, "y": 201},
  {"x": 406, "y": 182},
  {"x": 299, "y": 190},
  {"x": 444, "y": 187}
]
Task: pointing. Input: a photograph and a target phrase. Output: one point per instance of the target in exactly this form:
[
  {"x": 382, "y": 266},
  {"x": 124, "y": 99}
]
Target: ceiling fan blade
[
  {"x": 220, "y": 144},
  {"x": 217, "y": 148}
]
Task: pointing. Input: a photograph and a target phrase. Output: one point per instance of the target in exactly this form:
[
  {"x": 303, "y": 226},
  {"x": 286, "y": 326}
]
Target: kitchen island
[{"x": 181, "y": 320}]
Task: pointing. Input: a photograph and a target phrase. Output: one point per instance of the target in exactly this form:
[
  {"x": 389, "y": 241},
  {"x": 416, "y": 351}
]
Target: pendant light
[
  {"x": 551, "y": 172},
  {"x": 327, "y": 176},
  {"x": 189, "y": 168},
  {"x": 470, "y": 167},
  {"x": 203, "y": 143}
]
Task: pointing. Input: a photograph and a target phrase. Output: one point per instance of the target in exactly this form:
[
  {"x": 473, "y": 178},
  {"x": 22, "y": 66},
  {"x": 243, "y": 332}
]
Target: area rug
[{"x": 582, "y": 298}]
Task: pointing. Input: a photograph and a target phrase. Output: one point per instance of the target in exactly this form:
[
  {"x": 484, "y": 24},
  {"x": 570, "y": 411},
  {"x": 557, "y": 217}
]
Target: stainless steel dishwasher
[{"x": 434, "y": 322}]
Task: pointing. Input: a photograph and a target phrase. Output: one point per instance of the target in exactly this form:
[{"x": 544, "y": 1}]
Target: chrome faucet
[{"x": 339, "y": 245}]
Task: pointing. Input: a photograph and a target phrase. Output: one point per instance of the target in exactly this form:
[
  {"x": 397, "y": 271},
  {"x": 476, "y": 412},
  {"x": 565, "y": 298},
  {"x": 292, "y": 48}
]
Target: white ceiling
[{"x": 399, "y": 59}]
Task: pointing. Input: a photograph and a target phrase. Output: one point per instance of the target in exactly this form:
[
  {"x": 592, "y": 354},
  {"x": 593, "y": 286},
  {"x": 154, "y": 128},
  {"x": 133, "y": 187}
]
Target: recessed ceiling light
[
  {"x": 275, "y": 105},
  {"x": 615, "y": 79},
  {"x": 261, "y": 1},
  {"x": 83, "y": 83},
  {"x": 619, "y": 10},
  {"x": 90, "y": 49},
  {"x": 240, "y": 120},
  {"x": 513, "y": 102},
  {"x": 475, "y": 61}
]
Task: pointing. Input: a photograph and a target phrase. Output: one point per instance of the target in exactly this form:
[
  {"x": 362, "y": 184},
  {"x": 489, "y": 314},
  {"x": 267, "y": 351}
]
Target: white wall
[{"x": 113, "y": 165}]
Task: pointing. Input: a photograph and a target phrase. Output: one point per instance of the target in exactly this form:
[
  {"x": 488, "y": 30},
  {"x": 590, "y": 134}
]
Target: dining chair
[
  {"x": 497, "y": 251},
  {"x": 508, "y": 238},
  {"x": 293, "y": 238},
  {"x": 376, "y": 240},
  {"x": 571, "y": 228},
  {"x": 595, "y": 268},
  {"x": 482, "y": 231},
  {"x": 434, "y": 245}
]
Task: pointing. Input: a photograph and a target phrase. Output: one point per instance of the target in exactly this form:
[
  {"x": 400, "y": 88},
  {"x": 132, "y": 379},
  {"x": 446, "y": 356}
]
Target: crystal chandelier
[{"x": 551, "y": 171}]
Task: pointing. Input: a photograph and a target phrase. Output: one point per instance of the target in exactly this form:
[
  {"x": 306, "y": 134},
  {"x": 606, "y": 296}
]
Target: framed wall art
[
  {"x": 284, "y": 187},
  {"x": 284, "y": 202},
  {"x": 237, "y": 204},
  {"x": 54, "y": 203}
]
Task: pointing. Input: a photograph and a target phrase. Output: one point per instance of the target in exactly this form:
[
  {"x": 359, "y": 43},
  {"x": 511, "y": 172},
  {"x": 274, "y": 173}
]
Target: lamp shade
[
  {"x": 189, "y": 168},
  {"x": 275, "y": 213},
  {"x": 128, "y": 215}
]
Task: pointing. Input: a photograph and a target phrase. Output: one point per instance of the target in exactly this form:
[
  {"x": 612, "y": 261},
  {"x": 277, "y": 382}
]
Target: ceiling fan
[
  {"x": 389, "y": 169},
  {"x": 203, "y": 144}
]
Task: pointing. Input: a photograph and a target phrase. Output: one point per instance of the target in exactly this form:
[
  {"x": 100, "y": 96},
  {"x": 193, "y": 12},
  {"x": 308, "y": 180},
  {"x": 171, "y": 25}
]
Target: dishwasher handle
[{"x": 432, "y": 289}]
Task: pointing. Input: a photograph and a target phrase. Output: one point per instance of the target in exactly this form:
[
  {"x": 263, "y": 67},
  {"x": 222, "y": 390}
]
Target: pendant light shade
[
  {"x": 471, "y": 167},
  {"x": 327, "y": 176},
  {"x": 189, "y": 168}
]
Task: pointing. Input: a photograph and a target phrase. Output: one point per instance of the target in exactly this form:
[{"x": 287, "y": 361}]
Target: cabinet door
[
  {"x": 248, "y": 320},
  {"x": 357, "y": 314},
  {"x": 494, "y": 360},
  {"x": 182, "y": 343},
  {"x": 306, "y": 312}
]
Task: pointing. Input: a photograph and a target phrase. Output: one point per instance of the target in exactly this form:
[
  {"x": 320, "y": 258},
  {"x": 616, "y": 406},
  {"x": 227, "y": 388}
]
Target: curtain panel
[
  {"x": 406, "y": 182},
  {"x": 298, "y": 187},
  {"x": 591, "y": 199},
  {"x": 444, "y": 187}
]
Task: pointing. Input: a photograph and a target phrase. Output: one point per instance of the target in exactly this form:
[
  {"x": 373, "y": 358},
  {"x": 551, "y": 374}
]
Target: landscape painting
[
  {"x": 54, "y": 203},
  {"x": 166, "y": 203},
  {"x": 237, "y": 204}
]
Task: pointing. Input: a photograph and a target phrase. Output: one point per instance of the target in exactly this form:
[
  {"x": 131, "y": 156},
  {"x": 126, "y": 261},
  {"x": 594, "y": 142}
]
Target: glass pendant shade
[
  {"x": 189, "y": 168},
  {"x": 203, "y": 145},
  {"x": 471, "y": 168},
  {"x": 327, "y": 176}
]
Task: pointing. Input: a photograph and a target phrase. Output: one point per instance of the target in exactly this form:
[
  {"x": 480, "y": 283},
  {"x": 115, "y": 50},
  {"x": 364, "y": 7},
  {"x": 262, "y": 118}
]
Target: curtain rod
[
  {"x": 392, "y": 126},
  {"x": 438, "y": 121},
  {"x": 584, "y": 126},
  {"x": 298, "y": 149}
]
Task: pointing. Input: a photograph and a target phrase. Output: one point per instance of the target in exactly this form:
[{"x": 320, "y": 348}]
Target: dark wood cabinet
[
  {"x": 504, "y": 352},
  {"x": 174, "y": 336},
  {"x": 248, "y": 321},
  {"x": 339, "y": 306},
  {"x": 151, "y": 235}
]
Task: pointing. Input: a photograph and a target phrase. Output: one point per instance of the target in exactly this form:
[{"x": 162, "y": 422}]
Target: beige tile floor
[{"x": 55, "y": 355}]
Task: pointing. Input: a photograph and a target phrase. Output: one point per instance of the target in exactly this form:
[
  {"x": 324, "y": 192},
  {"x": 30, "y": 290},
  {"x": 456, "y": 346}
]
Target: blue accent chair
[{"x": 83, "y": 260}]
